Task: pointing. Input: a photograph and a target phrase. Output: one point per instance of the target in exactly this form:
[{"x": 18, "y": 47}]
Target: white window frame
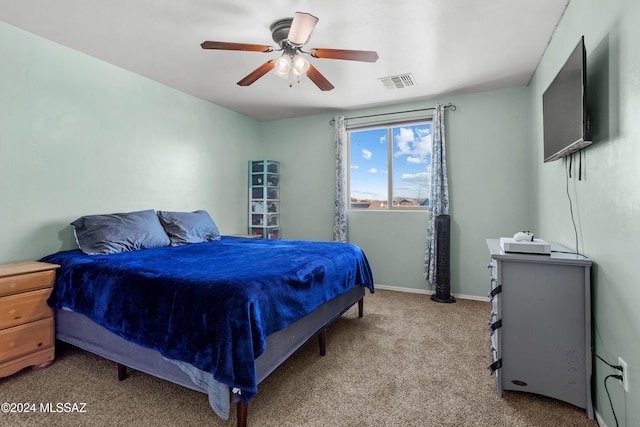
[{"x": 389, "y": 126}]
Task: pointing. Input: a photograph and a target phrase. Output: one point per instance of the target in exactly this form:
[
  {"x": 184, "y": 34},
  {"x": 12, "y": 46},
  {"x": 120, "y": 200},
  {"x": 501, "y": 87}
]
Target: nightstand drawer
[
  {"x": 26, "y": 282},
  {"x": 25, "y": 339},
  {"x": 24, "y": 307}
]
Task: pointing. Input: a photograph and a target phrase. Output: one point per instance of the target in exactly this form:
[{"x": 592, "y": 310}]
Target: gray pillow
[
  {"x": 189, "y": 227},
  {"x": 119, "y": 232}
]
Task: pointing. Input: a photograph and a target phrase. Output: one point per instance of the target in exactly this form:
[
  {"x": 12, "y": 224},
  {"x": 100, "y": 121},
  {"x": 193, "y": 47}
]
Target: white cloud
[
  {"x": 404, "y": 140},
  {"x": 355, "y": 167},
  {"x": 366, "y": 154},
  {"x": 423, "y": 132},
  {"x": 373, "y": 170},
  {"x": 368, "y": 195},
  {"x": 422, "y": 145},
  {"x": 421, "y": 178},
  {"x": 414, "y": 145},
  {"x": 383, "y": 139}
]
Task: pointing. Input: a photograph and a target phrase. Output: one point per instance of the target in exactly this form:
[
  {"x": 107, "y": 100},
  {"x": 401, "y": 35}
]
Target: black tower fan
[{"x": 443, "y": 254}]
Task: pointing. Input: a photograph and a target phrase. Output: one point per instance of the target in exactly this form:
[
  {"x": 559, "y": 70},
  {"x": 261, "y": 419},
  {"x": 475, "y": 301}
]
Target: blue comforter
[{"x": 208, "y": 304}]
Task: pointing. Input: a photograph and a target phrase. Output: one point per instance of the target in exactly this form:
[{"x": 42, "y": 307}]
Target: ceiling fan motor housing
[{"x": 280, "y": 31}]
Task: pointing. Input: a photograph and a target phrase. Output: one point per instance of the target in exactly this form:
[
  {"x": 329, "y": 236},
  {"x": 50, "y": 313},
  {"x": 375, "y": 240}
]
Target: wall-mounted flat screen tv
[{"x": 567, "y": 127}]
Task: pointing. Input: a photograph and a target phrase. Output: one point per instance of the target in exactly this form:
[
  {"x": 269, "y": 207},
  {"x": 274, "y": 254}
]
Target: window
[{"x": 389, "y": 167}]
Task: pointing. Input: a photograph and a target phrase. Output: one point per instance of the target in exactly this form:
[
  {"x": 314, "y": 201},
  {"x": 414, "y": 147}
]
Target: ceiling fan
[{"x": 291, "y": 34}]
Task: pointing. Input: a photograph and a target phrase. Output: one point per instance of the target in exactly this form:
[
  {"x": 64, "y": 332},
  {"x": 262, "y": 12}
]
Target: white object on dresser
[{"x": 535, "y": 246}]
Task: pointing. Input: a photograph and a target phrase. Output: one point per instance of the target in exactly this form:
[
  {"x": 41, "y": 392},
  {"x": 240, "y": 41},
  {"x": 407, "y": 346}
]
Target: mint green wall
[
  {"x": 487, "y": 139},
  {"x": 607, "y": 202},
  {"x": 79, "y": 136}
]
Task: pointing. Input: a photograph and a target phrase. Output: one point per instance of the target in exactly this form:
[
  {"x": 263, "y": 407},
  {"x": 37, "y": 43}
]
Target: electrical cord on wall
[
  {"x": 616, "y": 376},
  {"x": 573, "y": 220},
  {"x": 618, "y": 367},
  {"x": 580, "y": 166}
]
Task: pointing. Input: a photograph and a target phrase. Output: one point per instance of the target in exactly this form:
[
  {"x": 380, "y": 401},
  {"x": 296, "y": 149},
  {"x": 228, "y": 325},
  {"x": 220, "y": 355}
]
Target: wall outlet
[{"x": 625, "y": 374}]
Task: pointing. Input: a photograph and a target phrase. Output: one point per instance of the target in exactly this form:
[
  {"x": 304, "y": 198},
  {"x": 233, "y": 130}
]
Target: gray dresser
[{"x": 540, "y": 324}]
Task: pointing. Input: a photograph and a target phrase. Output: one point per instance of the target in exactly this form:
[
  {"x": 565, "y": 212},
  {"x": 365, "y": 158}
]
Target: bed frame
[{"x": 80, "y": 331}]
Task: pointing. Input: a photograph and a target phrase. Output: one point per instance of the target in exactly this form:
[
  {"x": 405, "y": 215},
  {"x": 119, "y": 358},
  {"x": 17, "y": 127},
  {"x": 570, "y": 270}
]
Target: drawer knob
[
  {"x": 13, "y": 285},
  {"x": 12, "y": 311},
  {"x": 12, "y": 343}
]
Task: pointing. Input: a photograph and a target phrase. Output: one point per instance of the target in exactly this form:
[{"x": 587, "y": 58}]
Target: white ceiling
[{"x": 449, "y": 46}]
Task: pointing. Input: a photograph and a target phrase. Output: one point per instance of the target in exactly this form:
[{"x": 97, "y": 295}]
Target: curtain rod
[{"x": 451, "y": 106}]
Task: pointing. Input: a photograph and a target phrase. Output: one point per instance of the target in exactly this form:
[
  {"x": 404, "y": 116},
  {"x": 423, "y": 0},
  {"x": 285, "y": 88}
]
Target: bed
[{"x": 216, "y": 316}]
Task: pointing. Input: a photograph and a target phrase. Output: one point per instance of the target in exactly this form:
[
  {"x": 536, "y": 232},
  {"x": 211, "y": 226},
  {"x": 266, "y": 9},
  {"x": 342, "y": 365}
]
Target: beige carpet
[{"x": 408, "y": 362}]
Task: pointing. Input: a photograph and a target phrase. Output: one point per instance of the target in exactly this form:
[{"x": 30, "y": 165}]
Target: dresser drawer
[
  {"x": 26, "y": 282},
  {"x": 24, "y": 307},
  {"x": 27, "y": 338}
]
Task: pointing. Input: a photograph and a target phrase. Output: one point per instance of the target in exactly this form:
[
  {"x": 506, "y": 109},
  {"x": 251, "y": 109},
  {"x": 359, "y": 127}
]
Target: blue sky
[{"x": 411, "y": 161}]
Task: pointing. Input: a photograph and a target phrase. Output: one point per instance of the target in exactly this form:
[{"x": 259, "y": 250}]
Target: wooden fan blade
[
  {"x": 301, "y": 27},
  {"x": 351, "y": 55},
  {"x": 318, "y": 79},
  {"x": 236, "y": 46},
  {"x": 257, "y": 73}
]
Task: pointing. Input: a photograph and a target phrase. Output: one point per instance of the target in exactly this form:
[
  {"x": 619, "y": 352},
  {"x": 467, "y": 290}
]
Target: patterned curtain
[
  {"x": 439, "y": 195},
  {"x": 340, "y": 207}
]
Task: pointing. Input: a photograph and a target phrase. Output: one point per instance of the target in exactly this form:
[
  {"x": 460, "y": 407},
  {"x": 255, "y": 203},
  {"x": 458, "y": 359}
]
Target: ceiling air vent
[{"x": 399, "y": 81}]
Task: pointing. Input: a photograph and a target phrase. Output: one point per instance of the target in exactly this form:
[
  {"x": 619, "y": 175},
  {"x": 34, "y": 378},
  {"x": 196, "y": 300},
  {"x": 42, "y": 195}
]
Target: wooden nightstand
[
  {"x": 27, "y": 336},
  {"x": 248, "y": 236}
]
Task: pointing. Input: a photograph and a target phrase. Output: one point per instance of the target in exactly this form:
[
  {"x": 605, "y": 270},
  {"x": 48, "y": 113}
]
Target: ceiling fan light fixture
[
  {"x": 300, "y": 66},
  {"x": 295, "y": 75},
  {"x": 291, "y": 66},
  {"x": 283, "y": 66},
  {"x": 301, "y": 28}
]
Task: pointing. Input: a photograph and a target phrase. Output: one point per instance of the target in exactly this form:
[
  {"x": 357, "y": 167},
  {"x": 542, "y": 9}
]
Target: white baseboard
[
  {"x": 429, "y": 292},
  {"x": 410, "y": 290}
]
